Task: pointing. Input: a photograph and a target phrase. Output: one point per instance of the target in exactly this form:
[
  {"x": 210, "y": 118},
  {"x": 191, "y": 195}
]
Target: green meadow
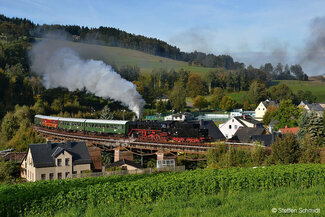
[
  {"x": 317, "y": 87},
  {"x": 121, "y": 56}
]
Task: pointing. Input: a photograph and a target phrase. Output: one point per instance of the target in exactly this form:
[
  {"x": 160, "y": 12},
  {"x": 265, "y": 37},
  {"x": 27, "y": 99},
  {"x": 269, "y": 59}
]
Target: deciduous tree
[
  {"x": 195, "y": 86},
  {"x": 200, "y": 102},
  {"x": 227, "y": 103}
]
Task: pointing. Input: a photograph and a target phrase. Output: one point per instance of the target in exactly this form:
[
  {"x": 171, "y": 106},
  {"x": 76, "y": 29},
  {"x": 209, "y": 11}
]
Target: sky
[{"x": 252, "y": 31}]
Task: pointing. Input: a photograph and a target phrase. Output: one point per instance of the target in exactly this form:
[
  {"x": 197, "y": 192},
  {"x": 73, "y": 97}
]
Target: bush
[{"x": 286, "y": 150}]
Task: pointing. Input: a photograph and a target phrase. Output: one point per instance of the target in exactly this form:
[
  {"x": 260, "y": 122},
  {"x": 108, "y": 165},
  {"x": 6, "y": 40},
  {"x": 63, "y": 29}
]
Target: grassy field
[
  {"x": 316, "y": 87},
  {"x": 122, "y": 56},
  {"x": 243, "y": 203}
]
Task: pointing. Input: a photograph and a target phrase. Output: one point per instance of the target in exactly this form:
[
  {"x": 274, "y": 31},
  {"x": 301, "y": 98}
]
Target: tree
[
  {"x": 9, "y": 126},
  {"x": 298, "y": 72},
  {"x": 306, "y": 96},
  {"x": 309, "y": 150},
  {"x": 287, "y": 114},
  {"x": 106, "y": 113},
  {"x": 200, "y": 102},
  {"x": 246, "y": 105},
  {"x": 281, "y": 92},
  {"x": 216, "y": 98},
  {"x": 269, "y": 114},
  {"x": 311, "y": 124},
  {"x": 258, "y": 155},
  {"x": 57, "y": 105},
  {"x": 178, "y": 96},
  {"x": 195, "y": 86},
  {"x": 286, "y": 150},
  {"x": 257, "y": 92},
  {"x": 227, "y": 103}
]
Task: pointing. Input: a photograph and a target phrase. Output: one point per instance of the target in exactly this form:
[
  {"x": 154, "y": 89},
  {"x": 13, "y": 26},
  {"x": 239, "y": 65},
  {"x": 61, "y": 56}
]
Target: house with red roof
[{"x": 289, "y": 130}]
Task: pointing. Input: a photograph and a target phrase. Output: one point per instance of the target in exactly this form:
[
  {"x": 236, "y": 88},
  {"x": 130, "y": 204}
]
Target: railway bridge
[{"x": 126, "y": 147}]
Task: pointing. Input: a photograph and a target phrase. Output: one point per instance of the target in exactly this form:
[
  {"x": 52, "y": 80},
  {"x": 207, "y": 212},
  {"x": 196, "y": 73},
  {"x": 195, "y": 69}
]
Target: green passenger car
[
  {"x": 74, "y": 124},
  {"x": 106, "y": 126},
  {"x": 38, "y": 120}
]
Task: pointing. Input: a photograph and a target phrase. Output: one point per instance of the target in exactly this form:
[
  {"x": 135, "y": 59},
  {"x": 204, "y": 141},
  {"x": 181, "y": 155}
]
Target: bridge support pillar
[
  {"x": 166, "y": 158},
  {"x": 122, "y": 153}
]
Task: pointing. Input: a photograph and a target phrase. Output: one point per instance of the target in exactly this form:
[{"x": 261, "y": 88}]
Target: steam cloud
[
  {"x": 63, "y": 67},
  {"x": 313, "y": 56}
]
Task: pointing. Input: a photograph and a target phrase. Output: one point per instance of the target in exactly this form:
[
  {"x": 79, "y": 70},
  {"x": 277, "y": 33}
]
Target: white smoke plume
[{"x": 62, "y": 67}]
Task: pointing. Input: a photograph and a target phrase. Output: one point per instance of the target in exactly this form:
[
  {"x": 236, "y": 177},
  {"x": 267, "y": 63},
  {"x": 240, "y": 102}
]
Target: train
[{"x": 163, "y": 131}]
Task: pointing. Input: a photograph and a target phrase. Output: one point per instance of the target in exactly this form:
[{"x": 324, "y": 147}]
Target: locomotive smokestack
[{"x": 62, "y": 67}]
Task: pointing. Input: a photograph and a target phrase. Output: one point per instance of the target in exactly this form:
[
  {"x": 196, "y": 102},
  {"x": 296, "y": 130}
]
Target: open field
[
  {"x": 122, "y": 56},
  {"x": 45, "y": 198},
  {"x": 243, "y": 203},
  {"x": 317, "y": 87}
]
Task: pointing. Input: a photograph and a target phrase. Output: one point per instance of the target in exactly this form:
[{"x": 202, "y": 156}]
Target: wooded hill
[{"x": 109, "y": 36}]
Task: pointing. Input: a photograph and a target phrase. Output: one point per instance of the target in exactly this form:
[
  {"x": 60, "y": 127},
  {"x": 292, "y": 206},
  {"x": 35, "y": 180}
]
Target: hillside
[
  {"x": 317, "y": 87},
  {"x": 121, "y": 56}
]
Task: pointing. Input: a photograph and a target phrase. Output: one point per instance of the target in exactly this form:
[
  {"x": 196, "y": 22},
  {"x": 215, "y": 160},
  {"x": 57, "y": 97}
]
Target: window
[
  {"x": 229, "y": 126},
  {"x": 59, "y": 175},
  {"x": 67, "y": 162},
  {"x": 59, "y": 162},
  {"x": 233, "y": 120},
  {"x": 235, "y": 126},
  {"x": 43, "y": 176},
  {"x": 67, "y": 175},
  {"x": 51, "y": 176}
]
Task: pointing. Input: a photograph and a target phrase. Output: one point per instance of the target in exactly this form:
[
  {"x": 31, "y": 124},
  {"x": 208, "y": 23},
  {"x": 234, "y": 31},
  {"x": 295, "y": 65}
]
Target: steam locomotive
[{"x": 188, "y": 132}]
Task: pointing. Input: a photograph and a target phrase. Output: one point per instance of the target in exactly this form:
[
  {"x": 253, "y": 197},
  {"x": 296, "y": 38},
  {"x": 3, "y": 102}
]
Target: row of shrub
[
  {"x": 47, "y": 197},
  {"x": 16, "y": 199}
]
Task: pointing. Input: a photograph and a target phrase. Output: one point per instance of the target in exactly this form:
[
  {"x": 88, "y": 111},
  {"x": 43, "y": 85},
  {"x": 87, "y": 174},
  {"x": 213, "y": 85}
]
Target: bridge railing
[{"x": 129, "y": 172}]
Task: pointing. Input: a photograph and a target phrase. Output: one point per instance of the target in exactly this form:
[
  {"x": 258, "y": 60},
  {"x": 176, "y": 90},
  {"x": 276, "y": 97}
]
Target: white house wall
[{"x": 230, "y": 127}]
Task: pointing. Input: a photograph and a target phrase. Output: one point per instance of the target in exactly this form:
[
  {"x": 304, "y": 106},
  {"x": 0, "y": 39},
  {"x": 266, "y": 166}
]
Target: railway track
[{"x": 134, "y": 143}]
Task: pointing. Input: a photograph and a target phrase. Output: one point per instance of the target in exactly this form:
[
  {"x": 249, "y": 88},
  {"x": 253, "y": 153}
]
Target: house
[
  {"x": 230, "y": 127},
  {"x": 10, "y": 155},
  {"x": 266, "y": 139},
  {"x": 125, "y": 164},
  {"x": 213, "y": 130},
  {"x": 244, "y": 134},
  {"x": 315, "y": 107},
  {"x": 289, "y": 130},
  {"x": 55, "y": 160},
  {"x": 96, "y": 158},
  {"x": 180, "y": 117},
  {"x": 262, "y": 108}
]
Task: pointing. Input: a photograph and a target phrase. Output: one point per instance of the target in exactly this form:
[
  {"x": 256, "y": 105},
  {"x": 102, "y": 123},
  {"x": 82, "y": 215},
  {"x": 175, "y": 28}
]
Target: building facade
[
  {"x": 55, "y": 161},
  {"x": 230, "y": 127},
  {"x": 262, "y": 108}
]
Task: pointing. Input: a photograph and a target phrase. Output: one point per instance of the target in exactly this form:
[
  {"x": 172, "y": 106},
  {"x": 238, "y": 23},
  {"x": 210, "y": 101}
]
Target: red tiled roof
[{"x": 289, "y": 130}]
